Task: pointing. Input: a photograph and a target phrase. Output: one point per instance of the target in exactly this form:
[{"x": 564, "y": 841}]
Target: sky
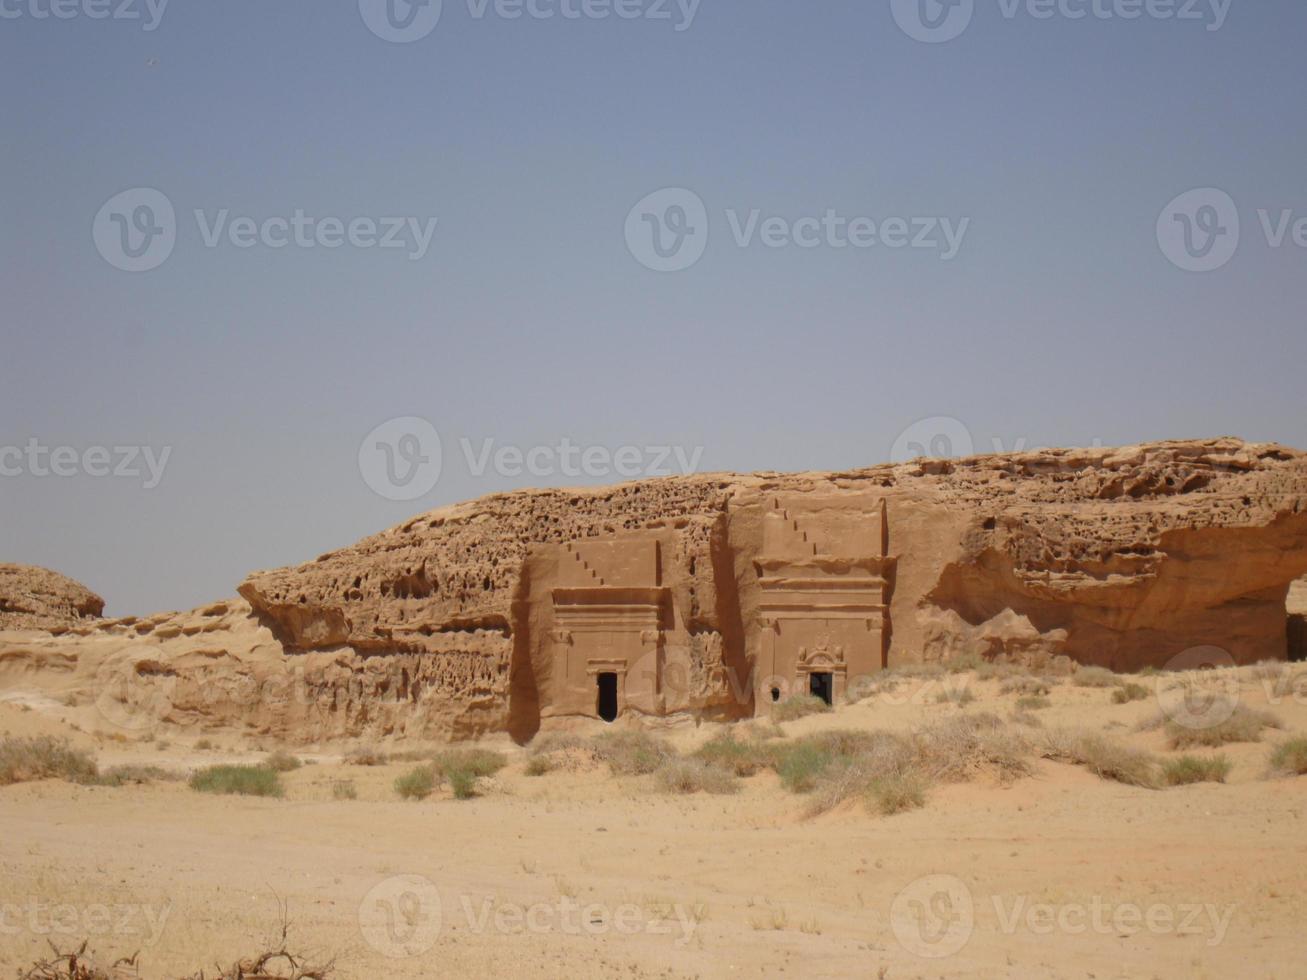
[{"x": 280, "y": 275}]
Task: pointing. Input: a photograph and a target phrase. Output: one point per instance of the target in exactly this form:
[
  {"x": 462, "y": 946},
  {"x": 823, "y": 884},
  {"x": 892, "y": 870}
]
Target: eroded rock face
[
  {"x": 37, "y": 598},
  {"x": 711, "y": 596}
]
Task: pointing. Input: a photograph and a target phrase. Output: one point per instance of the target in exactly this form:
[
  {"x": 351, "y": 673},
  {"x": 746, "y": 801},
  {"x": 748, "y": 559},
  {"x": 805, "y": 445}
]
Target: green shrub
[
  {"x": 237, "y": 780},
  {"x": 839, "y": 761},
  {"x": 416, "y": 784},
  {"x": 686, "y": 776},
  {"x": 1290, "y": 758},
  {"x": 280, "y": 761},
  {"x": 463, "y": 782},
  {"x": 44, "y": 757},
  {"x": 1193, "y": 769},
  {"x": 344, "y": 789},
  {"x": 798, "y": 706},
  {"x": 962, "y": 664},
  {"x": 1130, "y": 692},
  {"x": 1103, "y": 757},
  {"x": 1243, "y": 725},
  {"x": 632, "y": 753},
  {"x": 896, "y": 793},
  {"x": 1095, "y": 677}
]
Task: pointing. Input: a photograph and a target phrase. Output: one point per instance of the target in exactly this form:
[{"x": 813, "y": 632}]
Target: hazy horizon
[{"x": 244, "y": 243}]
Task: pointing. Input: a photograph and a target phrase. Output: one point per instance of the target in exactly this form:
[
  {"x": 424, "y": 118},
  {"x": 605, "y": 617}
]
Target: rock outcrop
[
  {"x": 37, "y": 598},
  {"x": 710, "y": 596}
]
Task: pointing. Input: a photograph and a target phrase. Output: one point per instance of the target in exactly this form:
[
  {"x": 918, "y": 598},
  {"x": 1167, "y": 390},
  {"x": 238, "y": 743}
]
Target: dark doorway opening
[
  {"x": 775, "y": 694},
  {"x": 1297, "y": 639},
  {"x": 607, "y": 703},
  {"x": 821, "y": 686}
]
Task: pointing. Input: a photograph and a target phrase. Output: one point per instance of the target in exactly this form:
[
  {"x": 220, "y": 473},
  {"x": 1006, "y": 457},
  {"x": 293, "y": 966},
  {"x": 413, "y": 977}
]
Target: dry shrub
[
  {"x": 892, "y": 772},
  {"x": 1290, "y": 758},
  {"x": 272, "y": 964},
  {"x": 1266, "y": 669},
  {"x": 1025, "y": 685},
  {"x": 1243, "y": 725},
  {"x": 1103, "y": 757},
  {"x": 1027, "y": 719},
  {"x": 895, "y": 794},
  {"x": 1189, "y": 769},
  {"x": 44, "y": 757},
  {"x": 1130, "y": 691},
  {"x": 959, "y": 748},
  {"x": 344, "y": 789},
  {"x": 366, "y": 755},
  {"x": 687, "y": 776},
  {"x": 1095, "y": 677},
  {"x": 961, "y": 697},
  {"x": 476, "y": 762},
  {"x": 135, "y": 775},
  {"x": 78, "y": 965},
  {"x": 632, "y": 753},
  {"x": 1033, "y": 702},
  {"x": 798, "y": 706},
  {"x": 561, "y": 751},
  {"x": 280, "y": 761},
  {"x": 741, "y": 757}
]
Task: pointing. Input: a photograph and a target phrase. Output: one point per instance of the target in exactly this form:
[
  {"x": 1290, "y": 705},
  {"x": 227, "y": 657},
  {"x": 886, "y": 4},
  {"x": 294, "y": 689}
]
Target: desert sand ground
[{"x": 586, "y": 874}]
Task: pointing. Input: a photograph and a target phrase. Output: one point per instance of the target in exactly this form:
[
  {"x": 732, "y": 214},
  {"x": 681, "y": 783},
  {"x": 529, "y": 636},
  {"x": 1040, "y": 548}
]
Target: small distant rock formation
[
  {"x": 39, "y": 599},
  {"x": 713, "y": 596}
]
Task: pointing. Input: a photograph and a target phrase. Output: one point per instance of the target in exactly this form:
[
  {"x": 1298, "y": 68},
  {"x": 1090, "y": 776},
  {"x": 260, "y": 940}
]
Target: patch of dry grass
[
  {"x": 44, "y": 757},
  {"x": 632, "y": 753},
  {"x": 1025, "y": 685},
  {"x": 1130, "y": 691},
  {"x": 1103, "y": 757},
  {"x": 1095, "y": 677},
  {"x": 1244, "y": 724},
  {"x": 280, "y": 761},
  {"x": 685, "y": 776},
  {"x": 798, "y": 706}
]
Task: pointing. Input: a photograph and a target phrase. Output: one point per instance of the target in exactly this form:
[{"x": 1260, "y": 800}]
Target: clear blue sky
[{"x": 1060, "y": 321}]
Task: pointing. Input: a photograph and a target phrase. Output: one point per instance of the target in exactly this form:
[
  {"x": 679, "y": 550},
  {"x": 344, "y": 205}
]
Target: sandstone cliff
[
  {"x": 37, "y": 598},
  {"x": 702, "y": 596}
]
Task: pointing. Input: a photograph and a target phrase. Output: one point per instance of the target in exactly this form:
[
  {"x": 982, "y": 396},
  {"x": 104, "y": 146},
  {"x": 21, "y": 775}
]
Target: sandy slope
[{"x": 619, "y": 880}]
